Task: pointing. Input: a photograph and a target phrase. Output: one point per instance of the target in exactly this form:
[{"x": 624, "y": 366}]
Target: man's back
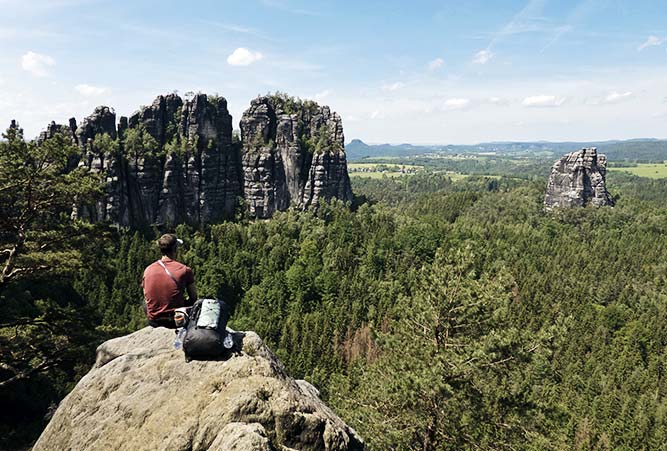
[{"x": 162, "y": 293}]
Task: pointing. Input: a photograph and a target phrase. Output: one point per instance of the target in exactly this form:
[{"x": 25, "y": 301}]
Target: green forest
[{"x": 432, "y": 314}]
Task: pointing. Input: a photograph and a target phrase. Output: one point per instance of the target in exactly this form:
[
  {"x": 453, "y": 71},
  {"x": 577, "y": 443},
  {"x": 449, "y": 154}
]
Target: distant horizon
[{"x": 592, "y": 141}]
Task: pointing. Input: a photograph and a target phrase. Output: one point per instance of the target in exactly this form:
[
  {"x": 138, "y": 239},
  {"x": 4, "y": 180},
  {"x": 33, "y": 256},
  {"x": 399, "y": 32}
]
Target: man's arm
[{"x": 192, "y": 293}]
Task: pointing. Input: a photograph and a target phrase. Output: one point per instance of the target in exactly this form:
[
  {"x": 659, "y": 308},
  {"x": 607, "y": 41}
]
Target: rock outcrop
[
  {"x": 293, "y": 154},
  {"x": 52, "y": 129},
  {"x": 141, "y": 395},
  {"x": 175, "y": 161},
  {"x": 578, "y": 179}
]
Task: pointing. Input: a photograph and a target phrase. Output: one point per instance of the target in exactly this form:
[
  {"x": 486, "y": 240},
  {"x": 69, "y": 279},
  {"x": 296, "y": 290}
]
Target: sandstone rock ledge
[{"x": 141, "y": 395}]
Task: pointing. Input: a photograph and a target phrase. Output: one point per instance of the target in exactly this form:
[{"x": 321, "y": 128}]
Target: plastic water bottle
[
  {"x": 228, "y": 342},
  {"x": 178, "y": 341}
]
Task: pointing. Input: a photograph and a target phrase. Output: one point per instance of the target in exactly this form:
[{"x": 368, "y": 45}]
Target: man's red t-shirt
[{"x": 162, "y": 294}]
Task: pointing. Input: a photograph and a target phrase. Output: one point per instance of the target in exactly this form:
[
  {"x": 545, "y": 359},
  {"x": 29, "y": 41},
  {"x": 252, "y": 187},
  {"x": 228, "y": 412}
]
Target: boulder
[
  {"x": 142, "y": 395},
  {"x": 578, "y": 179}
]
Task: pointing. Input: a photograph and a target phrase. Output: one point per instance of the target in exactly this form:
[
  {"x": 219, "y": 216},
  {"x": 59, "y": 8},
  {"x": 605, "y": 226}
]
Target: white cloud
[
  {"x": 543, "y": 101},
  {"x": 392, "y": 86},
  {"x": 456, "y": 104},
  {"x": 322, "y": 95},
  {"x": 482, "y": 57},
  {"x": 614, "y": 97},
  {"x": 436, "y": 64},
  {"x": 243, "y": 57},
  {"x": 652, "y": 41},
  {"x": 37, "y": 64},
  {"x": 497, "y": 101},
  {"x": 90, "y": 91}
]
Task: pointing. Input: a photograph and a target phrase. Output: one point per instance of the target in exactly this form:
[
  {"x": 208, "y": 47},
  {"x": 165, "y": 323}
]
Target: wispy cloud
[
  {"x": 237, "y": 29},
  {"x": 42, "y": 6},
  {"x": 583, "y": 9},
  {"x": 497, "y": 101},
  {"x": 615, "y": 97},
  {"x": 7, "y": 33},
  {"x": 322, "y": 95},
  {"x": 482, "y": 57},
  {"x": 37, "y": 64},
  {"x": 531, "y": 19},
  {"x": 456, "y": 104},
  {"x": 436, "y": 64},
  {"x": 243, "y": 57},
  {"x": 294, "y": 65},
  {"x": 391, "y": 87},
  {"x": 284, "y": 6},
  {"x": 652, "y": 41},
  {"x": 522, "y": 22},
  {"x": 90, "y": 91},
  {"x": 543, "y": 101}
]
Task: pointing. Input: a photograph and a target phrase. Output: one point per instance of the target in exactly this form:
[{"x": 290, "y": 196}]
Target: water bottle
[
  {"x": 178, "y": 341},
  {"x": 228, "y": 342}
]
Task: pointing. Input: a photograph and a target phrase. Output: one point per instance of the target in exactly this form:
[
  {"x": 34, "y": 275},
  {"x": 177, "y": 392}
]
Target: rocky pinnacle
[
  {"x": 175, "y": 161},
  {"x": 293, "y": 154},
  {"x": 578, "y": 179}
]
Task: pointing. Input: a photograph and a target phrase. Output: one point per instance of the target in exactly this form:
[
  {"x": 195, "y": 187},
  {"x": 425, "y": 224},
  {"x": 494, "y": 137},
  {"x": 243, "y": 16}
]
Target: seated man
[{"x": 164, "y": 283}]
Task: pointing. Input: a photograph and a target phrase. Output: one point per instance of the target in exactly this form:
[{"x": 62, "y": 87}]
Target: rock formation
[
  {"x": 141, "y": 395},
  {"x": 578, "y": 179},
  {"x": 293, "y": 154},
  {"x": 175, "y": 161},
  {"x": 52, "y": 129},
  {"x": 181, "y": 162}
]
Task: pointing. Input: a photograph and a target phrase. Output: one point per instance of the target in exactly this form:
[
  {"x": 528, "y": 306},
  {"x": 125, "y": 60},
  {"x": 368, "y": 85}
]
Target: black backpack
[{"x": 206, "y": 330}]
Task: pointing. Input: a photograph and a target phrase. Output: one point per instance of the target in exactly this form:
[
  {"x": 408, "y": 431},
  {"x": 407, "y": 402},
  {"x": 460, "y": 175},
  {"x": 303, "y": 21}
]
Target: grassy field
[
  {"x": 653, "y": 171},
  {"x": 374, "y": 170}
]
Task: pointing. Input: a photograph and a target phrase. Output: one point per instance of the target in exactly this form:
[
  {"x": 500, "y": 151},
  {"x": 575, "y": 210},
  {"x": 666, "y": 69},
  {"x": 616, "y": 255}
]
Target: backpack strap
[{"x": 178, "y": 285}]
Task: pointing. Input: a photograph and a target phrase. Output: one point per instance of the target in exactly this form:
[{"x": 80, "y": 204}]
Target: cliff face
[
  {"x": 578, "y": 179},
  {"x": 175, "y": 161},
  {"x": 293, "y": 153},
  {"x": 141, "y": 395}
]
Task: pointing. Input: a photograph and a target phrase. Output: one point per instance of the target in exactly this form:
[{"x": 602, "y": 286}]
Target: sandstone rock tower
[
  {"x": 578, "y": 179},
  {"x": 293, "y": 154},
  {"x": 176, "y": 161}
]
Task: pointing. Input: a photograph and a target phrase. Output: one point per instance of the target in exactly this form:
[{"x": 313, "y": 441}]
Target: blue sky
[{"x": 396, "y": 71}]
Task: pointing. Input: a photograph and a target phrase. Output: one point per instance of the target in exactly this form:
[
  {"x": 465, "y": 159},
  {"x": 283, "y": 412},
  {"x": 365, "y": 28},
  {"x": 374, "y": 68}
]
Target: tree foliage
[
  {"x": 43, "y": 333},
  {"x": 435, "y": 314}
]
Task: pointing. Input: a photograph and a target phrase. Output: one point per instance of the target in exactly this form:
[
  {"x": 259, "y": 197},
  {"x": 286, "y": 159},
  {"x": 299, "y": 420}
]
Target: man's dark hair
[{"x": 168, "y": 243}]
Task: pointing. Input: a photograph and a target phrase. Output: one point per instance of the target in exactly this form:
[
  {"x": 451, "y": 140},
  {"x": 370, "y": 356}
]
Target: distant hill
[{"x": 642, "y": 149}]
